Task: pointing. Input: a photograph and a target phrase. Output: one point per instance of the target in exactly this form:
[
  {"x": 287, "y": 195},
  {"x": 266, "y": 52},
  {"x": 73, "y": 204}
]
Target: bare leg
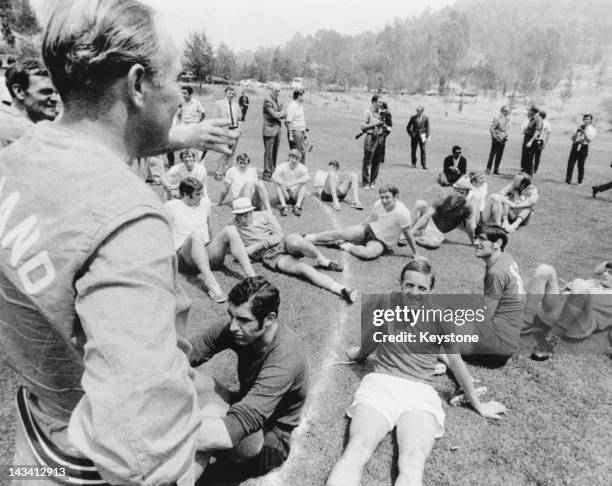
[
  {"x": 368, "y": 428},
  {"x": 371, "y": 250},
  {"x": 293, "y": 266},
  {"x": 415, "y": 438},
  {"x": 282, "y": 195},
  {"x": 351, "y": 233},
  {"x": 295, "y": 244},
  {"x": 301, "y": 192},
  {"x": 350, "y": 184},
  {"x": 262, "y": 194},
  {"x": 543, "y": 288},
  {"x": 195, "y": 255},
  {"x": 228, "y": 241},
  {"x": 493, "y": 211}
]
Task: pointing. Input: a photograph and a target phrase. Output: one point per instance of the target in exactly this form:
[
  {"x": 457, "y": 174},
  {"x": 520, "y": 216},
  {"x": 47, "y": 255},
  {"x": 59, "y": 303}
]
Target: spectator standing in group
[
  {"x": 226, "y": 109},
  {"x": 243, "y": 102},
  {"x": 190, "y": 111},
  {"x": 33, "y": 99},
  {"x": 296, "y": 124},
  {"x": 273, "y": 114},
  {"x": 499, "y": 134},
  {"x": 387, "y": 126},
  {"x": 418, "y": 131},
  {"x": 541, "y": 141},
  {"x": 372, "y": 128},
  {"x": 581, "y": 140},
  {"x": 530, "y": 134}
]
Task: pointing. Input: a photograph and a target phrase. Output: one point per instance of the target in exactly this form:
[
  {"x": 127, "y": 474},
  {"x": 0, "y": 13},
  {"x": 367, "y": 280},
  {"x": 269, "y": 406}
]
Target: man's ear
[
  {"x": 269, "y": 319},
  {"x": 135, "y": 80},
  {"x": 20, "y": 93}
]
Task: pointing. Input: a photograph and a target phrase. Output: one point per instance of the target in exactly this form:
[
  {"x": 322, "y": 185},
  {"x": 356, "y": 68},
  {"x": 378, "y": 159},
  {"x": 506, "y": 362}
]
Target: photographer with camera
[
  {"x": 372, "y": 127},
  {"x": 580, "y": 148}
]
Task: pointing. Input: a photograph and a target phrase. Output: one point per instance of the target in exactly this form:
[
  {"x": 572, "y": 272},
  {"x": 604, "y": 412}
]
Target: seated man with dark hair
[
  {"x": 435, "y": 221},
  {"x": 455, "y": 166},
  {"x": 399, "y": 394},
  {"x": 581, "y": 308},
  {"x": 253, "y": 429},
  {"x": 389, "y": 218},
  {"x": 196, "y": 250}
]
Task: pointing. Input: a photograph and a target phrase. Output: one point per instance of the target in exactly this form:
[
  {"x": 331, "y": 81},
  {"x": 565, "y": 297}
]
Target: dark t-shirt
[
  {"x": 503, "y": 282},
  {"x": 273, "y": 381},
  {"x": 450, "y": 213},
  {"x": 533, "y": 126}
]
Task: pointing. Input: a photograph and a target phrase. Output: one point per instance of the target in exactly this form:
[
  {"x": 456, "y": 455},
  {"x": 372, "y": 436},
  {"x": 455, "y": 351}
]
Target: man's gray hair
[{"x": 88, "y": 44}]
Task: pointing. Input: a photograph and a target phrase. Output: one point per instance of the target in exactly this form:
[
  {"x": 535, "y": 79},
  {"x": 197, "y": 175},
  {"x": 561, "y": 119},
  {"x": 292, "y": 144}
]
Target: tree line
[{"x": 492, "y": 45}]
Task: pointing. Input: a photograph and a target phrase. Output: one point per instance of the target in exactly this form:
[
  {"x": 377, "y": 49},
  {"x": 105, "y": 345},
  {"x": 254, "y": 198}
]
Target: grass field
[{"x": 558, "y": 427}]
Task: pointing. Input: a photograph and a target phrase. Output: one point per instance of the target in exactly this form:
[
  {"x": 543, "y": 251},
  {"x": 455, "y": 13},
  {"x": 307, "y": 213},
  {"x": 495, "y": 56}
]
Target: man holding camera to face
[{"x": 580, "y": 148}]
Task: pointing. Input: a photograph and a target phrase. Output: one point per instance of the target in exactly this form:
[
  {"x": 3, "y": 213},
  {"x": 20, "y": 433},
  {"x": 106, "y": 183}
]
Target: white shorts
[
  {"x": 433, "y": 232},
  {"x": 393, "y": 397}
]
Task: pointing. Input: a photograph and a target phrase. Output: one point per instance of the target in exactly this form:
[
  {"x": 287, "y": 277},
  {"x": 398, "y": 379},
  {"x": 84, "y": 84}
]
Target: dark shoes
[
  {"x": 350, "y": 295},
  {"x": 546, "y": 346},
  {"x": 284, "y": 211},
  {"x": 297, "y": 211},
  {"x": 595, "y": 191},
  {"x": 334, "y": 266}
]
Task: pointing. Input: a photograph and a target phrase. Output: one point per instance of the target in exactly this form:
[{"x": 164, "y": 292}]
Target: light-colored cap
[
  {"x": 242, "y": 205},
  {"x": 463, "y": 183}
]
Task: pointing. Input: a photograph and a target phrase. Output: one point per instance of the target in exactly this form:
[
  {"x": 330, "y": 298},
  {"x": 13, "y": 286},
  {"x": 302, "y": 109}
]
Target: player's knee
[
  {"x": 360, "y": 447},
  {"x": 580, "y": 286},
  {"x": 544, "y": 272},
  {"x": 420, "y": 205},
  {"x": 293, "y": 240},
  {"x": 411, "y": 463}
]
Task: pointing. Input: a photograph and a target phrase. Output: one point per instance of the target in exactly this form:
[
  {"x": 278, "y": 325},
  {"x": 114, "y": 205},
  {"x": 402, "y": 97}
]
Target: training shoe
[
  {"x": 402, "y": 241},
  {"x": 545, "y": 349},
  {"x": 297, "y": 211},
  {"x": 284, "y": 211},
  {"x": 357, "y": 205},
  {"x": 496, "y": 172},
  {"x": 595, "y": 191},
  {"x": 334, "y": 266},
  {"x": 439, "y": 369},
  {"x": 216, "y": 295},
  {"x": 350, "y": 295}
]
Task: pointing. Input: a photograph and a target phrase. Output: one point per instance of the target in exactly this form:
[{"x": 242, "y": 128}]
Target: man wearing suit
[
  {"x": 499, "y": 135},
  {"x": 418, "y": 131},
  {"x": 227, "y": 109},
  {"x": 272, "y": 115},
  {"x": 243, "y": 101}
]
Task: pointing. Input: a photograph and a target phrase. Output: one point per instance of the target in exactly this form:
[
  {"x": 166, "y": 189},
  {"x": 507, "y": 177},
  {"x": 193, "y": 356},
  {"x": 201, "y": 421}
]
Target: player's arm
[
  {"x": 167, "y": 179},
  {"x": 224, "y": 192},
  {"x": 367, "y": 344},
  {"x": 491, "y": 409},
  {"x": 136, "y": 378},
  {"x": 304, "y": 178},
  {"x": 407, "y": 232},
  {"x": 276, "y": 177}
]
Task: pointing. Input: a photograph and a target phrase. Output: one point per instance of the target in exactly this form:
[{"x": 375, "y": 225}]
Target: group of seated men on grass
[{"x": 398, "y": 393}]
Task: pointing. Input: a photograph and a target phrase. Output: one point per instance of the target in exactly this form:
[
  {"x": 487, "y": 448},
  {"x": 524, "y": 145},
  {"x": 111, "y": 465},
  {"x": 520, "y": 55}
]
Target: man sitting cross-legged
[
  {"x": 251, "y": 428},
  {"x": 435, "y": 221},
  {"x": 398, "y": 394},
  {"x": 511, "y": 207},
  {"x": 389, "y": 218},
  {"x": 334, "y": 188},
  {"x": 241, "y": 181},
  {"x": 290, "y": 180},
  {"x": 196, "y": 250},
  {"x": 579, "y": 309},
  {"x": 265, "y": 242}
]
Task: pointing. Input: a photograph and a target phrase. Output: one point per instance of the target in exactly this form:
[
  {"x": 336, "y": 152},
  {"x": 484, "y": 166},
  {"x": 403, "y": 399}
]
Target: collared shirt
[
  {"x": 295, "y": 116},
  {"x": 191, "y": 112}
]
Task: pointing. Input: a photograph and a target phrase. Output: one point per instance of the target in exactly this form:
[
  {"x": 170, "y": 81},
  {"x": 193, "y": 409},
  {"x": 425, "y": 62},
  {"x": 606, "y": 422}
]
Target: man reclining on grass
[
  {"x": 511, "y": 207},
  {"x": 265, "y": 242},
  {"x": 333, "y": 188},
  {"x": 389, "y": 218},
  {"x": 581, "y": 308},
  {"x": 252, "y": 427},
  {"x": 241, "y": 181},
  {"x": 197, "y": 252},
  {"x": 399, "y": 393},
  {"x": 435, "y": 221}
]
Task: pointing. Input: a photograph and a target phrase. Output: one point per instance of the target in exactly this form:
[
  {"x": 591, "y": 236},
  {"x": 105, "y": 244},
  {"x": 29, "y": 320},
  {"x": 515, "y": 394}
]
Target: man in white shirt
[
  {"x": 187, "y": 168},
  {"x": 290, "y": 180},
  {"x": 389, "y": 218},
  {"x": 190, "y": 110},
  {"x": 296, "y": 124},
  {"x": 241, "y": 181},
  {"x": 580, "y": 148},
  {"x": 227, "y": 109},
  {"x": 541, "y": 141},
  {"x": 196, "y": 251}
]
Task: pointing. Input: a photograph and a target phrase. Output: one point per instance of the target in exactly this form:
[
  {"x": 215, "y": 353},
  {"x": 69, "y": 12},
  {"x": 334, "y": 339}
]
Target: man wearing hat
[
  {"x": 266, "y": 243},
  {"x": 418, "y": 131},
  {"x": 290, "y": 179},
  {"x": 435, "y": 221}
]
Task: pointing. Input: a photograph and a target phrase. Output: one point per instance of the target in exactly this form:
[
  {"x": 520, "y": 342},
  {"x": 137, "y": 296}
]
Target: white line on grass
[{"x": 311, "y": 412}]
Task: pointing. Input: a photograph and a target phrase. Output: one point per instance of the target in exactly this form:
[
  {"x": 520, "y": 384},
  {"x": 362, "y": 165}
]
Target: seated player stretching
[
  {"x": 335, "y": 188},
  {"x": 290, "y": 179},
  {"x": 434, "y": 222},
  {"x": 398, "y": 394},
  {"x": 581, "y": 308},
  {"x": 389, "y": 218},
  {"x": 241, "y": 181},
  {"x": 265, "y": 242},
  {"x": 511, "y": 207},
  {"x": 196, "y": 250},
  {"x": 251, "y": 427}
]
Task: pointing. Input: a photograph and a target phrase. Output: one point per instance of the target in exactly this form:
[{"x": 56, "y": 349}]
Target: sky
[{"x": 248, "y": 24}]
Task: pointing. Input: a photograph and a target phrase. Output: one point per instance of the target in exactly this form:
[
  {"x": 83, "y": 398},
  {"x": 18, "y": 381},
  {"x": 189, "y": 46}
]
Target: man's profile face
[
  {"x": 415, "y": 283},
  {"x": 483, "y": 247},
  {"x": 388, "y": 200},
  {"x": 275, "y": 92},
  {"x": 40, "y": 99},
  {"x": 244, "y": 326}
]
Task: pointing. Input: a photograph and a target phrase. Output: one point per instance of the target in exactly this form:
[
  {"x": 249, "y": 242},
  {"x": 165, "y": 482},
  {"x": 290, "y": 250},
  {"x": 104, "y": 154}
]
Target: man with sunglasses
[{"x": 579, "y": 309}]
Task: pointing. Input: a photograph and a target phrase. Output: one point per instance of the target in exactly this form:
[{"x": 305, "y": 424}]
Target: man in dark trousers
[
  {"x": 418, "y": 131},
  {"x": 272, "y": 115},
  {"x": 499, "y": 135},
  {"x": 243, "y": 102},
  {"x": 531, "y": 133},
  {"x": 581, "y": 140}
]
